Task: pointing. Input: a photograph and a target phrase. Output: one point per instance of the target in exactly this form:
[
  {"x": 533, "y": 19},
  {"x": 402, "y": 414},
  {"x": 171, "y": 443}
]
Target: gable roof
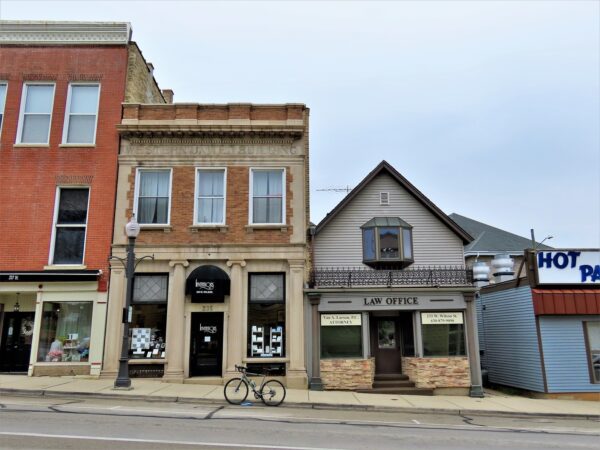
[
  {"x": 489, "y": 239},
  {"x": 385, "y": 167}
]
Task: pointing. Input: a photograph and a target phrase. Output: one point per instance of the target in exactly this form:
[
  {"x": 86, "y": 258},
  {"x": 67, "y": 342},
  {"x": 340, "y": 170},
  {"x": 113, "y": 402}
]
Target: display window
[
  {"x": 443, "y": 334},
  {"x": 65, "y": 332},
  {"x": 147, "y": 332},
  {"x": 266, "y": 315},
  {"x": 592, "y": 337},
  {"x": 341, "y": 336}
]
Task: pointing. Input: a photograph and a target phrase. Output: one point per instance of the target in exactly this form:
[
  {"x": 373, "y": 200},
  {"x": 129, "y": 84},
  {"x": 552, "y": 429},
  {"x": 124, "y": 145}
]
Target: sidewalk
[{"x": 154, "y": 390}]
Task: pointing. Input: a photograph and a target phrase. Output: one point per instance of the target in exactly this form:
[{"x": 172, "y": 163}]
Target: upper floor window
[
  {"x": 36, "y": 113},
  {"x": 267, "y": 196},
  {"x": 81, "y": 114},
  {"x": 70, "y": 223},
  {"x": 387, "y": 241},
  {"x": 210, "y": 196},
  {"x": 153, "y": 195},
  {"x": 2, "y": 102}
]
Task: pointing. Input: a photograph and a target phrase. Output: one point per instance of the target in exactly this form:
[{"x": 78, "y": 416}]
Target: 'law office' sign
[{"x": 568, "y": 267}]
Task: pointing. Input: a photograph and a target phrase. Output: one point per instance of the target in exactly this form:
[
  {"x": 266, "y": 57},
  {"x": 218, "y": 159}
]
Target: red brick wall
[
  {"x": 236, "y": 214},
  {"x": 28, "y": 176}
]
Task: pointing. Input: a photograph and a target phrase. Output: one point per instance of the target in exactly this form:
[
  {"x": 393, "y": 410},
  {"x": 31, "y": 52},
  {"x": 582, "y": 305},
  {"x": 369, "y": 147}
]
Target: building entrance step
[{"x": 398, "y": 391}]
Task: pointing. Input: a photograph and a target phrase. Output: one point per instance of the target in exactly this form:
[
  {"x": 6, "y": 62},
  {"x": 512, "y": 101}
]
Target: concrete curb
[{"x": 324, "y": 406}]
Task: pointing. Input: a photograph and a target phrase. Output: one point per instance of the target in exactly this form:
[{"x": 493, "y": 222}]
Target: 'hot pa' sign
[{"x": 568, "y": 267}]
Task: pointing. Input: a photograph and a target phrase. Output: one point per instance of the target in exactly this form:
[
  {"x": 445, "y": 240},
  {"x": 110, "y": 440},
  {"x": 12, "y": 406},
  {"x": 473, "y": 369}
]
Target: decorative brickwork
[
  {"x": 347, "y": 374},
  {"x": 438, "y": 372}
]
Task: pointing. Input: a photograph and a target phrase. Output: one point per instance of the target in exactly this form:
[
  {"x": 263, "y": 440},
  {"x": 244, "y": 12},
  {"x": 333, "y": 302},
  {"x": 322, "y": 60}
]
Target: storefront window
[
  {"x": 593, "y": 344},
  {"x": 147, "y": 333},
  {"x": 266, "y": 315},
  {"x": 341, "y": 336},
  {"x": 443, "y": 334},
  {"x": 65, "y": 332}
]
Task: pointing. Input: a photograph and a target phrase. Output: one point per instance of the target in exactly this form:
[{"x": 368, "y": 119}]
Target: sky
[{"x": 490, "y": 108}]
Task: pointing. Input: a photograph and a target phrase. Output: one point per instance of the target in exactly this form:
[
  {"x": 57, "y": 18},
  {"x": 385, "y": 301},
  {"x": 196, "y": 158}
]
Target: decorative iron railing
[{"x": 324, "y": 277}]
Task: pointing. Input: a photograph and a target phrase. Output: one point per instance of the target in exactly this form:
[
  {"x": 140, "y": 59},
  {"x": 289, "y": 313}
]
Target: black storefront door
[
  {"x": 206, "y": 349},
  {"x": 386, "y": 345},
  {"x": 15, "y": 346}
]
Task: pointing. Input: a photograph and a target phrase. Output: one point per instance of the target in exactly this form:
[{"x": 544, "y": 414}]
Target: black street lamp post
[{"x": 133, "y": 230}]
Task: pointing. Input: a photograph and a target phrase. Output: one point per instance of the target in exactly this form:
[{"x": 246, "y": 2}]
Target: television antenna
[{"x": 336, "y": 189}]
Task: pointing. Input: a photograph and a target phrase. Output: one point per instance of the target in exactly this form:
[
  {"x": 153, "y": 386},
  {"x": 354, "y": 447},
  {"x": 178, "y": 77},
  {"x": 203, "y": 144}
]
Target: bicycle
[{"x": 271, "y": 392}]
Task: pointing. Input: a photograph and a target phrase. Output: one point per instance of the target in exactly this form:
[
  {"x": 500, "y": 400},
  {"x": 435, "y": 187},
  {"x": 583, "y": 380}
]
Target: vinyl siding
[
  {"x": 339, "y": 244},
  {"x": 510, "y": 339},
  {"x": 565, "y": 356}
]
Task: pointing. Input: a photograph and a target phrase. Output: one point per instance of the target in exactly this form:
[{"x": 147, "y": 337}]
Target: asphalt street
[{"x": 62, "y": 423}]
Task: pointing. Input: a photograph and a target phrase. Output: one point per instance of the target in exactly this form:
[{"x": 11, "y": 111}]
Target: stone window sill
[
  {"x": 281, "y": 227},
  {"x": 65, "y": 267},
  {"x": 77, "y": 145},
  {"x": 31, "y": 145},
  {"x": 163, "y": 228},
  {"x": 196, "y": 228}
]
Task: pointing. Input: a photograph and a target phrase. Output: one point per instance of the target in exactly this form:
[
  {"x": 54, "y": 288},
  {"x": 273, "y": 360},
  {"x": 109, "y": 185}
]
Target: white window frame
[
  {"x": 283, "y": 195},
  {"x": 22, "y": 112},
  {"x": 196, "y": 193},
  {"x": 68, "y": 115},
  {"x": 78, "y": 225},
  {"x": 5, "y": 83},
  {"x": 137, "y": 192}
]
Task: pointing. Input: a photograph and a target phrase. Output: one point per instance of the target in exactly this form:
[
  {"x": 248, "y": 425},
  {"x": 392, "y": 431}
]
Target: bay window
[{"x": 387, "y": 242}]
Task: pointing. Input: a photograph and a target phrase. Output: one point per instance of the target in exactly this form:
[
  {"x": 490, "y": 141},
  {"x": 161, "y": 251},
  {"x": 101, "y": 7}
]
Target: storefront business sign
[
  {"x": 441, "y": 318},
  {"x": 390, "y": 301},
  {"x": 568, "y": 267},
  {"x": 207, "y": 284},
  {"x": 340, "y": 320}
]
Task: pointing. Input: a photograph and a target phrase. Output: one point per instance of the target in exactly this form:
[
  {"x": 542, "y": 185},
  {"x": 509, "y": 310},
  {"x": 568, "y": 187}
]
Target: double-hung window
[
  {"x": 153, "y": 196},
  {"x": 36, "y": 113},
  {"x": 210, "y": 196},
  {"x": 81, "y": 114},
  {"x": 2, "y": 102},
  {"x": 70, "y": 223},
  {"x": 267, "y": 203}
]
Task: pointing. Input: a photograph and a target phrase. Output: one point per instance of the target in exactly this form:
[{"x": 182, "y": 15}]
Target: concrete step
[
  {"x": 391, "y": 376},
  {"x": 392, "y": 383},
  {"x": 398, "y": 391}
]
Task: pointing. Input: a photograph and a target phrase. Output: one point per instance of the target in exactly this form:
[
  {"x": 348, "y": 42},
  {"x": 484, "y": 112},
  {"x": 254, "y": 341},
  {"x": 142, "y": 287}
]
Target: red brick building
[{"x": 61, "y": 89}]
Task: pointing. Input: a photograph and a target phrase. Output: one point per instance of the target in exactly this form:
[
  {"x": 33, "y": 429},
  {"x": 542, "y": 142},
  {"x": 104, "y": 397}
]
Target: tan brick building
[{"x": 221, "y": 194}]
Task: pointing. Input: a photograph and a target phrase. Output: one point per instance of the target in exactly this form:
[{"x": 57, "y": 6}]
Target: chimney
[
  {"x": 481, "y": 274},
  {"x": 503, "y": 266},
  {"x": 168, "y": 95}
]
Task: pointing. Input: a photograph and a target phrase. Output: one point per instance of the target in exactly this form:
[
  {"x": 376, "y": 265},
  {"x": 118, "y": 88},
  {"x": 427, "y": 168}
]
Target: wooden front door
[
  {"x": 15, "y": 346},
  {"x": 386, "y": 345}
]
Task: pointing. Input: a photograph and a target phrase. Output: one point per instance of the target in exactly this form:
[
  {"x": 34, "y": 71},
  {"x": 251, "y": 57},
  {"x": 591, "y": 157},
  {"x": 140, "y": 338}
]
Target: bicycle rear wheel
[
  {"x": 272, "y": 393},
  {"x": 235, "y": 391}
]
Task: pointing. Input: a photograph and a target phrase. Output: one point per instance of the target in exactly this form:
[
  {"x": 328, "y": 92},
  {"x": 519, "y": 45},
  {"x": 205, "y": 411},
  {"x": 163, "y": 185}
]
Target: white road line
[
  {"x": 159, "y": 441},
  {"x": 113, "y": 407},
  {"x": 416, "y": 421}
]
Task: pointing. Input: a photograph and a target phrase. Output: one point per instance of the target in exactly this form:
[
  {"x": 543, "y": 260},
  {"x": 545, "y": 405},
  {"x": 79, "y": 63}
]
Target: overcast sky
[{"x": 491, "y": 109}]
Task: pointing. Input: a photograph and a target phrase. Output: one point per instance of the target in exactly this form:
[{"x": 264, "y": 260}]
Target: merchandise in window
[
  {"x": 210, "y": 204},
  {"x": 70, "y": 227},
  {"x": 147, "y": 333},
  {"x": 387, "y": 242},
  {"x": 81, "y": 115},
  {"x": 266, "y": 316},
  {"x": 592, "y": 330},
  {"x": 153, "y": 196},
  {"x": 65, "y": 332},
  {"x": 443, "y": 339},
  {"x": 267, "y": 196},
  {"x": 2, "y": 102},
  {"x": 36, "y": 112},
  {"x": 341, "y": 336}
]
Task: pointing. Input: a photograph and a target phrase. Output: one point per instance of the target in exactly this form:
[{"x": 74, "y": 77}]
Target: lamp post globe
[{"x": 132, "y": 229}]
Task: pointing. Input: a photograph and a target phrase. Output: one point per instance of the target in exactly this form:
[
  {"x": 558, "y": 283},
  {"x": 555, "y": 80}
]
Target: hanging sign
[
  {"x": 568, "y": 267},
  {"x": 441, "y": 318},
  {"x": 340, "y": 320}
]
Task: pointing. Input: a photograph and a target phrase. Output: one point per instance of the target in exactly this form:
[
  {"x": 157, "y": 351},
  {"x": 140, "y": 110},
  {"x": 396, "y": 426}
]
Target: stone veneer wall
[
  {"x": 347, "y": 374},
  {"x": 60, "y": 370},
  {"x": 438, "y": 372}
]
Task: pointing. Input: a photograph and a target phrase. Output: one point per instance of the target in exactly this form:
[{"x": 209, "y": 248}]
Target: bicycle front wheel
[
  {"x": 236, "y": 391},
  {"x": 272, "y": 393}
]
